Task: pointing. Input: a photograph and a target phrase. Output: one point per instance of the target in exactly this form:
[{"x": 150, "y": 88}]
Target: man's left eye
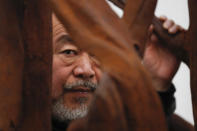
[{"x": 70, "y": 52}]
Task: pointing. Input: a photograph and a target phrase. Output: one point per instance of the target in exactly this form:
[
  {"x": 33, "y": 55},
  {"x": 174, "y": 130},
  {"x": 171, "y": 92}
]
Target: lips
[{"x": 79, "y": 89}]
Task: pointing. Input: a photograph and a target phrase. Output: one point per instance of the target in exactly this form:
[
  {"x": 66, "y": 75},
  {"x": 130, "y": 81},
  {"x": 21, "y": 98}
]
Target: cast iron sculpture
[{"x": 26, "y": 57}]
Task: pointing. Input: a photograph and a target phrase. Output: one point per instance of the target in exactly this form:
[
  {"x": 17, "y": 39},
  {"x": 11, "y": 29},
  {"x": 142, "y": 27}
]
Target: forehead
[
  {"x": 59, "y": 33},
  {"x": 58, "y": 28}
]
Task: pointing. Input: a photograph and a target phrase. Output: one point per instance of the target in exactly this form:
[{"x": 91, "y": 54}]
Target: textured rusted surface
[
  {"x": 96, "y": 29},
  {"x": 11, "y": 65},
  {"x": 193, "y": 55},
  {"x": 125, "y": 100},
  {"x": 138, "y": 15},
  {"x": 177, "y": 43},
  {"x": 114, "y": 118},
  {"x": 38, "y": 66},
  {"x": 25, "y": 65}
]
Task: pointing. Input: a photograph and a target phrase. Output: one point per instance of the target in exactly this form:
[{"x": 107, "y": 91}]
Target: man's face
[{"x": 75, "y": 76}]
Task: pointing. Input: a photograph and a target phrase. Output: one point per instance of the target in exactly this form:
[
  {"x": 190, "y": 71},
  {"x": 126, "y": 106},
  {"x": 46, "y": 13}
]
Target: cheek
[
  {"x": 56, "y": 84},
  {"x": 98, "y": 74},
  {"x": 60, "y": 75}
]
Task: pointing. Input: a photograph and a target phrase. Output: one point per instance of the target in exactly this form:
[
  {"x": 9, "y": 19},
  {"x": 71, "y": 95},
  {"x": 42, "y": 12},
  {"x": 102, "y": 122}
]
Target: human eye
[{"x": 69, "y": 52}]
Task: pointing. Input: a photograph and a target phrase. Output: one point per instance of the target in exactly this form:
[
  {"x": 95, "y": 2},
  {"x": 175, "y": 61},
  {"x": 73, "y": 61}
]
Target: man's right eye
[{"x": 69, "y": 52}]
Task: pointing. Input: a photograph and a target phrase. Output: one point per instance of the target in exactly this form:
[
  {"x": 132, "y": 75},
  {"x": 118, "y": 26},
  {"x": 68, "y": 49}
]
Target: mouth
[
  {"x": 77, "y": 95},
  {"x": 81, "y": 89}
]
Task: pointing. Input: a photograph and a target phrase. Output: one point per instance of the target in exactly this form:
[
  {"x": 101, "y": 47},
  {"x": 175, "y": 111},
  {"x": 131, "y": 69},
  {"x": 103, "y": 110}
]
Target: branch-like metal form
[
  {"x": 11, "y": 65},
  {"x": 138, "y": 16},
  {"x": 183, "y": 45},
  {"x": 37, "y": 36},
  {"x": 125, "y": 101},
  {"x": 176, "y": 43},
  {"x": 25, "y": 65},
  {"x": 114, "y": 117},
  {"x": 95, "y": 28},
  {"x": 193, "y": 55}
]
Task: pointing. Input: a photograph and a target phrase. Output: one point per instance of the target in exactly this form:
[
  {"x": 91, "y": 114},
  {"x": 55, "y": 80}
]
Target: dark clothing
[
  {"x": 57, "y": 126},
  {"x": 175, "y": 123},
  {"x": 168, "y": 100}
]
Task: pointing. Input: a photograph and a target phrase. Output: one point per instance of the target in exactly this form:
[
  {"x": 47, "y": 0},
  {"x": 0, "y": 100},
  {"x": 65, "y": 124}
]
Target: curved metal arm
[
  {"x": 96, "y": 29},
  {"x": 138, "y": 15}
]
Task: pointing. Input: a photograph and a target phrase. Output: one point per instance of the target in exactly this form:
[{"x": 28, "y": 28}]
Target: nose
[{"x": 84, "y": 68}]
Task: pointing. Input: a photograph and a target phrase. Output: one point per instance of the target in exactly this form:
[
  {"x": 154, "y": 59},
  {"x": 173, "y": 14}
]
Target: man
[
  {"x": 75, "y": 77},
  {"x": 76, "y": 74}
]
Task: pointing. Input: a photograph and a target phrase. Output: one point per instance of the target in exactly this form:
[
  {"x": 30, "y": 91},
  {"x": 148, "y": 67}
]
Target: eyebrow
[{"x": 64, "y": 38}]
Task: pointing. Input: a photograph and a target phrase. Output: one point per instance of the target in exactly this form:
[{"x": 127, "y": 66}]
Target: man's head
[{"x": 75, "y": 76}]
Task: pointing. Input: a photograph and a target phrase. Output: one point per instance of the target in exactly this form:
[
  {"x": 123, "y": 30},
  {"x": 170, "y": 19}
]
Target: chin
[{"x": 63, "y": 112}]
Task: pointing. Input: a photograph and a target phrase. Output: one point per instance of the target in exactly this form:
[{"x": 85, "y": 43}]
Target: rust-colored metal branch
[
  {"x": 37, "y": 36},
  {"x": 11, "y": 65},
  {"x": 177, "y": 43},
  {"x": 25, "y": 65},
  {"x": 114, "y": 118},
  {"x": 95, "y": 28},
  {"x": 138, "y": 16},
  {"x": 193, "y": 55}
]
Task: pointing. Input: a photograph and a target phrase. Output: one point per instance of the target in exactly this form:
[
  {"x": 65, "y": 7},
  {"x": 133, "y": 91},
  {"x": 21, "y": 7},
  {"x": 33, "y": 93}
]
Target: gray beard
[{"x": 63, "y": 113}]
